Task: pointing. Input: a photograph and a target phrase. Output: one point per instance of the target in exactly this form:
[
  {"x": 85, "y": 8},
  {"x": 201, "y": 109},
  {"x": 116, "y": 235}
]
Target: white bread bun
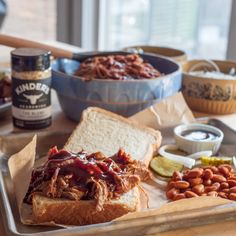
[
  {"x": 106, "y": 132},
  {"x": 68, "y": 212}
]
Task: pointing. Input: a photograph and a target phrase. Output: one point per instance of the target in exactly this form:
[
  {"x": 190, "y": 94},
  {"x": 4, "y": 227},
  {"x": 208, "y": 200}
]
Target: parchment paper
[
  {"x": 22, "y": 163},
  {"x": 178, "y": 206},
  {"x": 20, "y": 166},
  {"x": 167, "y": 113}
]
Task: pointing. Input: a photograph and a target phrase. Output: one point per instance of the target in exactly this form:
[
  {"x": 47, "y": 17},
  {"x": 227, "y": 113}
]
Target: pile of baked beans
[{"x": 203, "y": 181}]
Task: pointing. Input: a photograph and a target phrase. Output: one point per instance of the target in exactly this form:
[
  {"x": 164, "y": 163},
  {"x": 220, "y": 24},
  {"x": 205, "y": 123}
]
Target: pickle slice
[
  {"x": 215, "y": 161},
  {"x": 165, "y": 167}
]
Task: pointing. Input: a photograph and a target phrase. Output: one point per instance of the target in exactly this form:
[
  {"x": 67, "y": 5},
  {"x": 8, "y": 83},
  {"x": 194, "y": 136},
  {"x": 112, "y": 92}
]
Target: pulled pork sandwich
[{"x": 80, "y": 188}]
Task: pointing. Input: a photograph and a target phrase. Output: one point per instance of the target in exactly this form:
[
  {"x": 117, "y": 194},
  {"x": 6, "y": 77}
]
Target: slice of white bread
[
  {"x": 104, "y": 131},
  {"x": 70, "y": 212}
]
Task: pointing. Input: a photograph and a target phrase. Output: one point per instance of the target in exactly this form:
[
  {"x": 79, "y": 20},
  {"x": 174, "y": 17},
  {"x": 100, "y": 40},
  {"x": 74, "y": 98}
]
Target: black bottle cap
[{"x": 30, "y": 59}]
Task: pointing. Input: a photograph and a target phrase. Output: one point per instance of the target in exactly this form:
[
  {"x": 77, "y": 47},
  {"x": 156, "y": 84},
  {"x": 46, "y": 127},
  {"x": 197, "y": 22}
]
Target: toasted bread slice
[
  {"x": 104, "y": 131},
  {"x": 68, "y": 212}
]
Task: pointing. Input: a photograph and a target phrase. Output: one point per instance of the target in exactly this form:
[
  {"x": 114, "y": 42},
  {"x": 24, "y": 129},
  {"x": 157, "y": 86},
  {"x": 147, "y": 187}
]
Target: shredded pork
[
  {"x": 79, "y": 176},
  {"x": 117, "y": 67}
]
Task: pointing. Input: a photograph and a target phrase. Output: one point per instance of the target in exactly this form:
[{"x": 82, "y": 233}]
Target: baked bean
[
  {"x": 225, "y": 190},
  {"x": 207, "y": 182},
  {"x": 232, "y": 174},
  {"x": 210, "y": 188},
  {"x": 171, "y": 193},
  {"x": 232, "y": 177},
  {"x": 198, "y": 189},
  {"x": 190, "y": 194},
  {"x": 212, "y": 193},
  {"x": 229, "y": 167},
  {"x": 171, "y": 184},
  {"x": 224, "y": 185},
  {"x": 177, "y": 175},
  {"x": 195, "y": 181},
  {"x": 232, "y": 190},
  {"x": 217, "y": 185},
  {"x": 194, "y": 173},
  {"x": 214, "y": 169},
  {"x": 181, "y": 184},
  {"x": 231, "y": 182},
  {"x": 223, "y": 195},
  {"x": 185, "y": 174},
  {"x": 187, "y": 189},
  {"x": 224, "y": 170},
  {"x": 207, "y": 174},
  {"x": 232, "y": 196},
  {"x": 218, "y": 178},
  {"x": 179, "y": 196}
]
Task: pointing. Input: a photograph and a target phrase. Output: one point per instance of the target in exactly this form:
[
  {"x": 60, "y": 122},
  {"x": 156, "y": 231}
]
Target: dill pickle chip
[
  {"x": 165, "y": 167},
  {"x": 215, "y": 161}
]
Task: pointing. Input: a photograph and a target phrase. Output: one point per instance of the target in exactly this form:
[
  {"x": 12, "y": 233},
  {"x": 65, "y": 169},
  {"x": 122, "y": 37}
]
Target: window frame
[
  {"x": 231, "y": 48},
  {"x": 78, "y": 23},
  {"x": 82, "y": 23}
]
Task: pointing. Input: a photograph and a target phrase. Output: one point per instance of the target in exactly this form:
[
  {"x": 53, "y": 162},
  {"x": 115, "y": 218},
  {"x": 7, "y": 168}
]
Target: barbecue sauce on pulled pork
[
  {"x": 117, "y": 67},
  {"x": 79, "y": 176}
]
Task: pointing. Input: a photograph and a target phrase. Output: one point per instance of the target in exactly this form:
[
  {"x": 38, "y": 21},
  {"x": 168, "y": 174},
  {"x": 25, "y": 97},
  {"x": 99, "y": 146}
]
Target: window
[
  {"x": 200, "y": 27},
  {"x": 34, "y": 19}
]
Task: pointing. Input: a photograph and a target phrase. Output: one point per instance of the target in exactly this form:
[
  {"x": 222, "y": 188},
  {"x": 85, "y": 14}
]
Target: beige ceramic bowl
[
  {"x": 172, "y": 53},
  {"x": 214, "y": 96}
]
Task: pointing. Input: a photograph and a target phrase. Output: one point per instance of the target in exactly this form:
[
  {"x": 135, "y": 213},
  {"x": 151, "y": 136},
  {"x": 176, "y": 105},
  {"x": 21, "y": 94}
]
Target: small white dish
[{"x": 193, "y": 138}]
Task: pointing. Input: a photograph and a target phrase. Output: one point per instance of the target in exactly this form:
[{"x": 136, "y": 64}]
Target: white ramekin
[{"x": 193, "y": 146}]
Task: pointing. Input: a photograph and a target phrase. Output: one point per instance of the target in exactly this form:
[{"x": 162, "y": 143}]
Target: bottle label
[{"x": 31, "y": 103}]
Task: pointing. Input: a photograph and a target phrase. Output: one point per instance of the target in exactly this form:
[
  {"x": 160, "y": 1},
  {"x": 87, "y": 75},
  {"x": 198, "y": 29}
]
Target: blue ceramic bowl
[{"x": 123, "y": 97}]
